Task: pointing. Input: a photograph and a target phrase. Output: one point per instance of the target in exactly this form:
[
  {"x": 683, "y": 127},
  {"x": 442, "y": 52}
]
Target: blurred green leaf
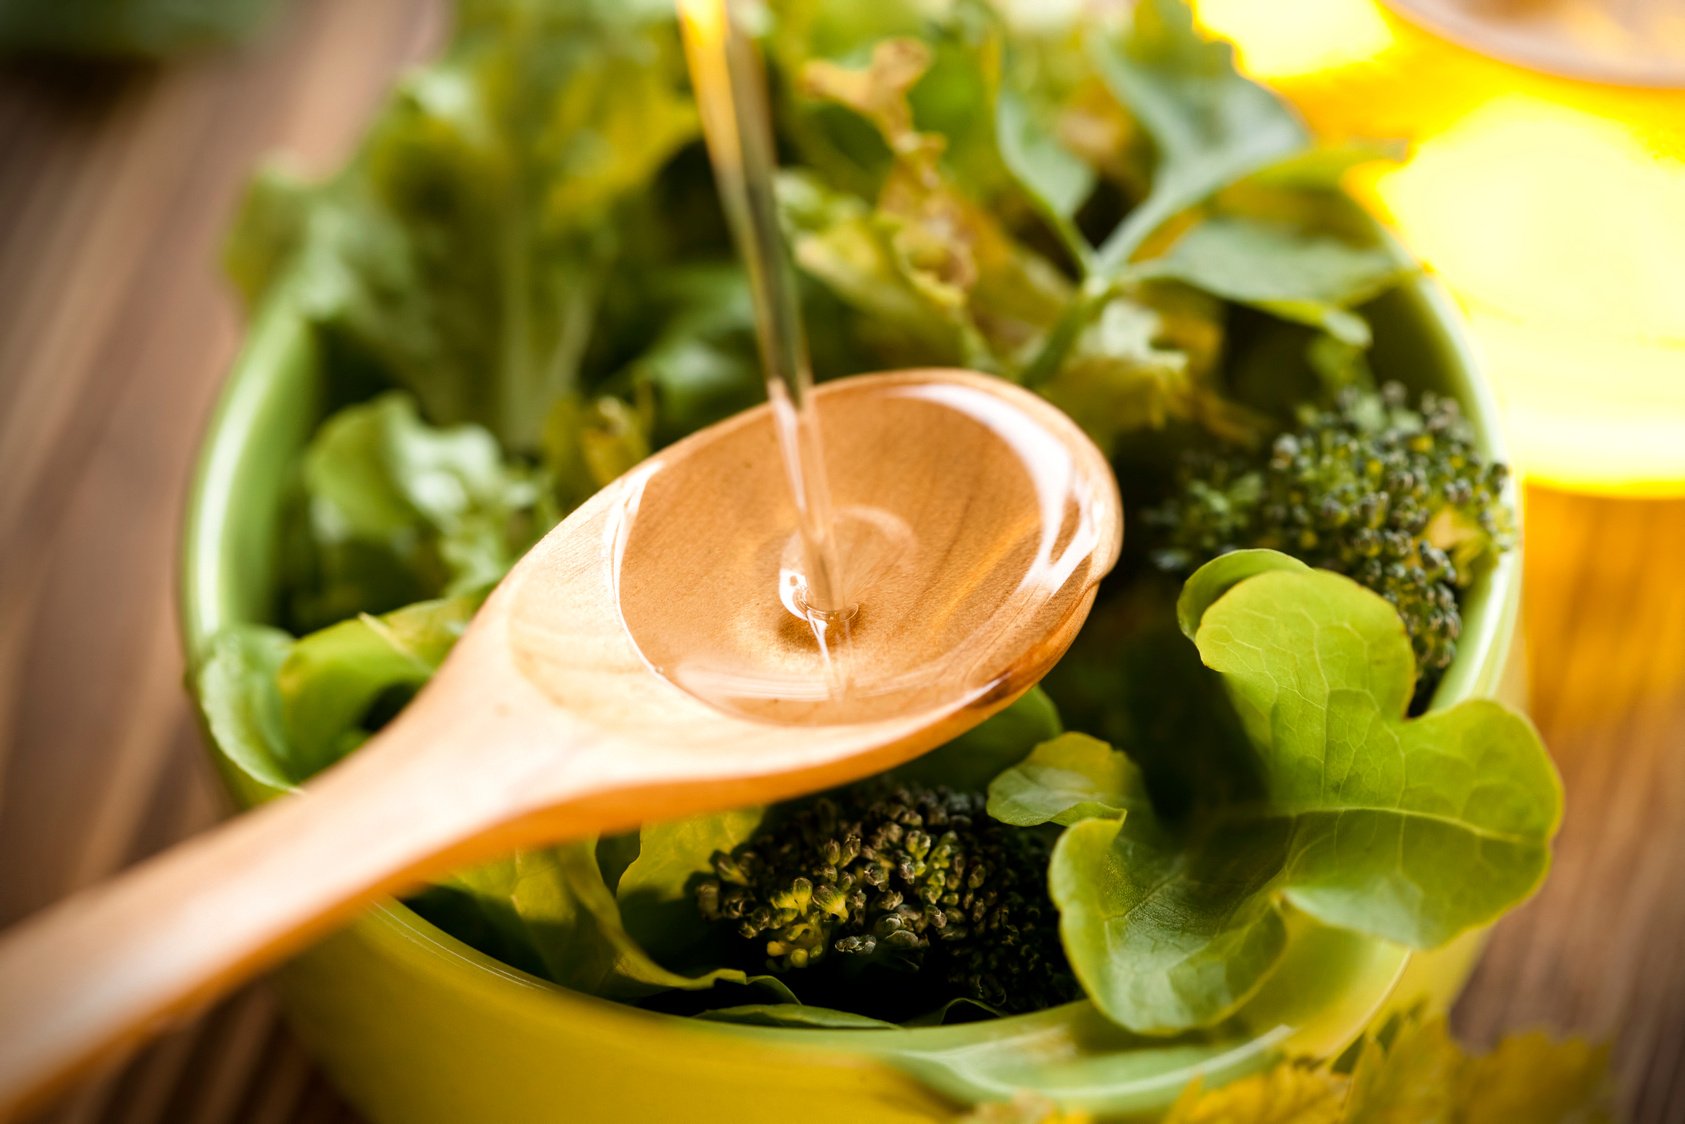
[
  {"x": 701, "y": 365},
  {"x": 1210, "y": 126},
  {"x": 236, "y": 687},
  {"x": 127, "y": 28},
  {"x": 1323, "y": 166},
  {"x": 339, "y": 685},
  {"x": 1298, "y": 275},
  {"x": 1411, "y": 1071},
  {"x": 467, "y": 248},
  {"x": 1056, "y": 178},
  {"x": 1532, "y": 1077},
  {"x": 925, "y": 236},
  {"x": 395, "y": 510},
  {"x": 590, "y": 443},
  {"x": 1147, "y": 358}
]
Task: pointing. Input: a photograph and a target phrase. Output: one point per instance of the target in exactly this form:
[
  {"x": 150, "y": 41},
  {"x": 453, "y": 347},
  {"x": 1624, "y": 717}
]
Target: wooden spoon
[{"x": 551, "y": 720}]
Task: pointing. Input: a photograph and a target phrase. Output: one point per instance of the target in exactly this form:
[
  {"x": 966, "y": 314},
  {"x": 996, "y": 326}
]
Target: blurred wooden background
[{"x": 115, "y": 330}]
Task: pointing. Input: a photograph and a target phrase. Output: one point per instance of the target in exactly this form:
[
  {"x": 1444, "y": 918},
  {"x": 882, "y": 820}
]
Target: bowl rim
[{"x": 204, "y": 607}]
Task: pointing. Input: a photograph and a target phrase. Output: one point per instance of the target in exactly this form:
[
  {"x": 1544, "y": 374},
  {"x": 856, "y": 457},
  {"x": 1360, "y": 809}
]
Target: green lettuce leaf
[
  {"x": 1301, "y": 275},
  {"x": 1209, "y": 125},
  {"x": 1030, "y": 103},
  {"x": 1056, "y": 178},
  {"x": 1166, "y": 932},
  {"x": 234, "y": 681},
  {"x": 657, "y": 892},
  {"x": 339, "y": 685},
  {"x": 795, "y": 1015},
  {"x": 1412, "y": 830},
  {"x": 1206, "y": 584},
  {"x": 1221, "y": 144},
  {"x": 394, "y": 510},
  {"x": 1133, "y": 680},
  {"x": 1120, "y": 377},
  {"x": 702, "y": 364},
  {"x": 1148, "y": 358},
  {"x": 466, "y": 250},
  {"x": 1073, "y": 777},
  {"x": 281, "y": 710},
  {"x": 556, "y": 902},
  {"x": 926, "y": 250},
  {"x": 588, "y": 443}
]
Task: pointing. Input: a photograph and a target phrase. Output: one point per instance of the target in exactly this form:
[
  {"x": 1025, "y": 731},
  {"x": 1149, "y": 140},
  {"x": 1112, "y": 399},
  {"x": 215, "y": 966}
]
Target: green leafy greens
[
  {"x": 1412, "y": 830},
  {"x": 1209, "y": 125},
  {"x": 521, "y": 286},
  {"x": 471, "y": 247}
]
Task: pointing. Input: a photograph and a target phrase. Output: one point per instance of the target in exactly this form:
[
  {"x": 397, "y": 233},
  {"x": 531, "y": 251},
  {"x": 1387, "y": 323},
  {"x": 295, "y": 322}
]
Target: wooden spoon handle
[{"x": 105, "y": 969}]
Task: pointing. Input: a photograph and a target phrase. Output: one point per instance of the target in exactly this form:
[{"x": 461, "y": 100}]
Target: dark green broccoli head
[
  {"x": 886, "y": 877},
  {"x": 1396, "y": 498}
]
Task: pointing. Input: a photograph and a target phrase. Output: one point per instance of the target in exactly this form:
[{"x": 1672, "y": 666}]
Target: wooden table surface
[{"x": 115, "y": 330}]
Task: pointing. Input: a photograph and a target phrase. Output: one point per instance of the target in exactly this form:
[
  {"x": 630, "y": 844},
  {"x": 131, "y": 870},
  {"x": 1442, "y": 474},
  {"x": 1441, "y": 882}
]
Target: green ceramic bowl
[{"x": 418, "y": 1028}]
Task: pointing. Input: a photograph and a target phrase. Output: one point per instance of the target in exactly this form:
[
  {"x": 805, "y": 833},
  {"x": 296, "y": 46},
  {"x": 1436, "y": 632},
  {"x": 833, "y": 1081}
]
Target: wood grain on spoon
[{"x": 548, "y": 722}]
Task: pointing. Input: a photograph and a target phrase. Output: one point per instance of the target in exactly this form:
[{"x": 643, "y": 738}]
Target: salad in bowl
[{"x": 1268, "y": 801}]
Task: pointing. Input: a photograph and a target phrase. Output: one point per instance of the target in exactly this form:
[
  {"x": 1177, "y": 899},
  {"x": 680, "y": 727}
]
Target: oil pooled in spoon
[{"x": 938, "y": 582}]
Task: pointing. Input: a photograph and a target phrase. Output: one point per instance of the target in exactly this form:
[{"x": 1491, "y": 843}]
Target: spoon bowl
[{"x": 551, "y": 721}]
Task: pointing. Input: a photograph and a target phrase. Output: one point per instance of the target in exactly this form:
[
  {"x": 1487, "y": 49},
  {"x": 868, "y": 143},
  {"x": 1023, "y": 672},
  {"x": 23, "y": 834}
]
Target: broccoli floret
[
  {"x": 897, "y": 877},
  {"x": 1396, "y": 498}
]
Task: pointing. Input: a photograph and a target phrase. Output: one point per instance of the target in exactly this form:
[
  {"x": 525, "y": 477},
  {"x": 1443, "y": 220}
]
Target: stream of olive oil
[
  {"x": 731, "y": 97},
  {"x": 888, "y": 597}
]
